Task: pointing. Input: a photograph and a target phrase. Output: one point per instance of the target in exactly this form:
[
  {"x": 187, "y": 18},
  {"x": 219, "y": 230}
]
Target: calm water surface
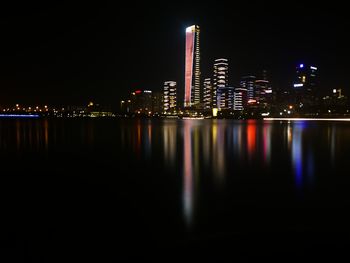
[{"x": 207, "y": 189}]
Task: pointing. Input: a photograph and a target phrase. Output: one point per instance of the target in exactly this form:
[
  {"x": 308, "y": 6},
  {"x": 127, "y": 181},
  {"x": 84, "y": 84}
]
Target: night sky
[{"x": 73, "y": 53}]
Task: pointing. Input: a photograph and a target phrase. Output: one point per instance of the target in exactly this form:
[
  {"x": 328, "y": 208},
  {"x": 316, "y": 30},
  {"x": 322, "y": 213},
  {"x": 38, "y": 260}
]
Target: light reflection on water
[{"x": 200, "y": 152}]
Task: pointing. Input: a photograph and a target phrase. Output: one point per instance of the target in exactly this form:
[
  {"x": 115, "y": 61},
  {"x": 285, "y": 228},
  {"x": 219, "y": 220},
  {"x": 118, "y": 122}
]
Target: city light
[{"x": 298, "y": 85}]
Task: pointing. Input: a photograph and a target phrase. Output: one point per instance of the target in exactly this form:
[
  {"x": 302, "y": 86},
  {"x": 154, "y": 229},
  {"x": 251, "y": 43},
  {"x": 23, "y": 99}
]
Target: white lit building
[
  {"x": 220, "y": 79},
  {"x": 169, "y": 96}
]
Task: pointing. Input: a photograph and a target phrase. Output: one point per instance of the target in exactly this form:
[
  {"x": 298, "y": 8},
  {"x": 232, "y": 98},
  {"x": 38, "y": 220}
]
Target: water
[{"x": 112, "y": 189}]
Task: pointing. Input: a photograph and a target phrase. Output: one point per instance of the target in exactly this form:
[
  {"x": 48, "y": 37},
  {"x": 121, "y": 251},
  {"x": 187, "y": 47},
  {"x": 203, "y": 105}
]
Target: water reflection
[
  {"x": 188, "y": 187},
  {"x": 213, "y": 153},
  {"x": 169, "y": 144},
  {"x": 251, "y": 138},
  {"x": 297, "y": 154},
  {"x": 40, "y": 135},
  {"x": 148, "y": 139},
  {"x": 218, "y": 152},
  {"x": 237, "y": 142},
  {"x": 303, "y": 164},
  {"x": 267, "y": 143},
  {"x": 331, "y": 139}
]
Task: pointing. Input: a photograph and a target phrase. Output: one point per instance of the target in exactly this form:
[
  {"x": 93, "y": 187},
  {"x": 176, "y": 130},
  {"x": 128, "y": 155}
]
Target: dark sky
[{"x": 68, "y": 53}]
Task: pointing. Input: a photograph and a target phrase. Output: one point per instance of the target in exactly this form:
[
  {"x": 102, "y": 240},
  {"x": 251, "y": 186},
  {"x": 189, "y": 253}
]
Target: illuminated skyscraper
[
  {"x": 208, "y": 94},
  {"x": 220, "y": 77},
  {"x": 169, "y": 96},
  {"x": 192, "y": 67}
]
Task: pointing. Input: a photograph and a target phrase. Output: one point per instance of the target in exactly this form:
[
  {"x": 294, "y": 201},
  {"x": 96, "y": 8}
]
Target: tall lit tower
[
  {"x": 220, "y": 77},
  {"x": 192, "y": 67}
]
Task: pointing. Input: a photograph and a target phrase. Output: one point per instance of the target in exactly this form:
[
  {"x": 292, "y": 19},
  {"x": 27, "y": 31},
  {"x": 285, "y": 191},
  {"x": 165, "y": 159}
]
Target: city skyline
[{"x": 80, "y": 58}]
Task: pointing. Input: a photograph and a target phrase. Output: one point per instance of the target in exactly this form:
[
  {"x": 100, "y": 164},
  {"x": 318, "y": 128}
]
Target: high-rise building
[
  {"x": 225, "y": 98},
  {"x": 239, "y": 98},
  {"x": 192, "y": 68},
  {"x": 248, "y": 82},
  {"x": 169, "y": 96},
  {"x": 208, "y": 94},
  {"x": 220, "y": 78},
  {"x": 305, "y": 83}
]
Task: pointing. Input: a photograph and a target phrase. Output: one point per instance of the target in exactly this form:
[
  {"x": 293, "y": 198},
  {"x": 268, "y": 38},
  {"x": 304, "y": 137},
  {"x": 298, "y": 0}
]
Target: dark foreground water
[{"x": 161, "y": 190}]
